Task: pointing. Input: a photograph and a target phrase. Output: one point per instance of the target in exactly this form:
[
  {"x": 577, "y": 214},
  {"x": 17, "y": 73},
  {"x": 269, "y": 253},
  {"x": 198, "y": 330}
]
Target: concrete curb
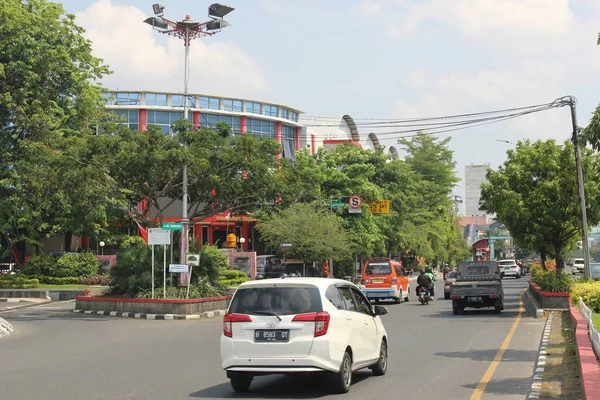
[
  {"x": 5, "y": 328},
  {"x": 588, "y": 363},
  {"x": 539, "y": 312},
  {"x": 168, "y": 317},
  {"x": 538, "y": 375}
]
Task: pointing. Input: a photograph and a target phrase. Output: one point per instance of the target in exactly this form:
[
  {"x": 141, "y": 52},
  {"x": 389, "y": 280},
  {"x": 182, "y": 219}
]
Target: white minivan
[
  {"x": 299, "y": 325},
  {"x": 578, "y": 265}
]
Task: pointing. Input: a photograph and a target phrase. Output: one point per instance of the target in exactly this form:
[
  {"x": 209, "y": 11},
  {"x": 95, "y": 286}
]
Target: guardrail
[{"x": 592, "y": 332}]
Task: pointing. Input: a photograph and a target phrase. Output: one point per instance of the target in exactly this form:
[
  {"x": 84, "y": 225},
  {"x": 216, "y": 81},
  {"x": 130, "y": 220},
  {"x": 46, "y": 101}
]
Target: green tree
[
  {"x": 48, "y": 91},
  {"x": 534, "y": 193},
  {"x": 317, "y": 234}
]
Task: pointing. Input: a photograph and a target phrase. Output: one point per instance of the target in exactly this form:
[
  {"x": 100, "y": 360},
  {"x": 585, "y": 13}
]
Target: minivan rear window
[
  {"x": 283, "y": 300},
  {"x": 378, "y": 268},
  {"x": 505, "y": 263}
]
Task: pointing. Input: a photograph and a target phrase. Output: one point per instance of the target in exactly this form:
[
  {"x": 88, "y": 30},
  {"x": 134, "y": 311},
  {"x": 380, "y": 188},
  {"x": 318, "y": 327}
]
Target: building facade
[{"x": 474, "y": 177}]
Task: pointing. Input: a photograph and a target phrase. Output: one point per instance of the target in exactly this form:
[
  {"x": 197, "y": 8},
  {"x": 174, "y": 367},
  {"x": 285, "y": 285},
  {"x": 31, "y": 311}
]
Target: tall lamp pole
[{"x": 188, "y": 30}]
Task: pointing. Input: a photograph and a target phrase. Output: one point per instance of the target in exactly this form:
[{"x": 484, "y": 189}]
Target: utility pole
[{"x": 581, "y": 192}]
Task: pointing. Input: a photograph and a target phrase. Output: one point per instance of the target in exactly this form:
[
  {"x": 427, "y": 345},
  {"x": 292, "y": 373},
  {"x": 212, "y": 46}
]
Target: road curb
[
  {"x": 5, "y": 328},
  {"x": 539, "y": 312},
  {"x": 589, "y": 370},
  {"x": 538, "y": 375},
  {"x": 166, "y": 317}
]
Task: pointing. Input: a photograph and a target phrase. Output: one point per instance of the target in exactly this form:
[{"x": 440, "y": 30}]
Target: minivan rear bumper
[{"x": 380, "y": 293}]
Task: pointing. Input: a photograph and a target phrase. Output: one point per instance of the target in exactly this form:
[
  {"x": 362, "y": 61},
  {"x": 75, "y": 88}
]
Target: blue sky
[{"x": 373, "y": 59}]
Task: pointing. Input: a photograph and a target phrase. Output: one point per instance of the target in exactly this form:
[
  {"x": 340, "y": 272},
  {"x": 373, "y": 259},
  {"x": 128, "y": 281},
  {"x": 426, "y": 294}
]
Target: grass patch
[
  {"x": 561, "y": 376},
  {"x": 595, "y": 317},
  {"x": 53, "y": 287}
]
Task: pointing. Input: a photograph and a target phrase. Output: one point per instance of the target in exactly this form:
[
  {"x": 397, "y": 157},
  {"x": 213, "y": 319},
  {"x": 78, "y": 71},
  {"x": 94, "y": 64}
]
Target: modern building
[
  {"x": 474, "y": 177},
  {"x": 282, "y": 123}
]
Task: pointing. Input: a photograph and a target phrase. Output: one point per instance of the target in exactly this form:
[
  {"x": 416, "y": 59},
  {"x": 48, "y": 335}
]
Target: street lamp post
[
  {"x": 102, "y": 247},
  {"x": 188, "y": 30}
]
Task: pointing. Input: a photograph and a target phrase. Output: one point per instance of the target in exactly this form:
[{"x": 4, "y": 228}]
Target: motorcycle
[{"x": 424, "y": 297}]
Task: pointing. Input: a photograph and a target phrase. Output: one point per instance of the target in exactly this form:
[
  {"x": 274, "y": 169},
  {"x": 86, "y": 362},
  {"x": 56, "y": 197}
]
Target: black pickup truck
[{"x": 478, "y": 284}]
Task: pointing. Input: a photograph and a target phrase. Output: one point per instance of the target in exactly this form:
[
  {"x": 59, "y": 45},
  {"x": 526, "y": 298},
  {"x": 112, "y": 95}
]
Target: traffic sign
[
  {"x": 355, "y": 201},
  {"x": 172, "y": 226},
  {"x": 158, "y": 236},
  {"x": 287, "y": 244},
  {"x": 338, "y": 204},
  {"x": 354, "y": 211},
  {"x": 380, "y": 207},
  {"x": 179, "y": 268}
]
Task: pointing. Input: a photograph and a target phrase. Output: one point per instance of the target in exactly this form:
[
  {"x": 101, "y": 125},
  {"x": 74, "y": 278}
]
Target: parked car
[
  {"x": 478, "y": 284},
  {"x": 510, "y": 268},
  {"x": 578, "y": 265},
  {"x": 300, "y": 325},
  {"x": 450, "y": 280}
]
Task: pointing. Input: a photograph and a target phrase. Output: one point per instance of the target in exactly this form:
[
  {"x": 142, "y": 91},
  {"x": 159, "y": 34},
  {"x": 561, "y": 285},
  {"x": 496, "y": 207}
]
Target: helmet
[
  {"x": 284, "y": 275},
  {"x": 428, "y": 269},
  {"x": 293, "y": 275},
  {"x": 259, "y": 276},
  {"x": 422, "y": 271}
]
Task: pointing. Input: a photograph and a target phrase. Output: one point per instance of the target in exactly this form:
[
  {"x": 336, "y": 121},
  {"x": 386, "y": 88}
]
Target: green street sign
[
  {"x": 338, "y": 204},
  {"x": 172, "y": 226}
]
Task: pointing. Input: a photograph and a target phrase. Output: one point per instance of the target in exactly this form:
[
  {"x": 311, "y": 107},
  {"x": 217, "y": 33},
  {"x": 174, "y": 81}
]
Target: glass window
[
  {"x": 161, "y": 117},
  {"x": 232, "y": 105},
  {"x": 176, "y": 100},
  {"x": 347, "y": 297},
  {"x": 210, "y": 121},
  {"x": 284, "y": 113},
  {"x": 288, "y": 137},
  {"x": 285, "y": 300},
  {"x": 253, "y": 108},
  {"x": 378, "y": 268},
  {"x": 209, "y": 103},
  {"x": 156, "y": 99},
  {"x": 333, "y": 295},
  {"x": 270, "y": 110},
  {"x": 108, "y": 98},
  {"x": 362, "y": 305},
  {"x": 130, "y": 99},
  {"x": 129, "y": 118},
  {"x": 259, "y": 128},
  {"x": 191, "y": 101}
]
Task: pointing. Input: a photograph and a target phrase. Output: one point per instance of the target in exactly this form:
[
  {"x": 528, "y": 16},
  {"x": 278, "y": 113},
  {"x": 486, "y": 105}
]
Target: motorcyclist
[
  {"x": 429, "y": 272},
  {"x": 424, "y": 281}
]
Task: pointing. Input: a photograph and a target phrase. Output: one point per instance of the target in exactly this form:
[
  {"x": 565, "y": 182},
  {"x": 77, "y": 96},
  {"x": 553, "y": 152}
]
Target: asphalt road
[{"x": 56, "y": 354}]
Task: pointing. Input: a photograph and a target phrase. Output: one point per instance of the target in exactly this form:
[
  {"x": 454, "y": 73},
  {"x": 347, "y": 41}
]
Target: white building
[{"x": 474, "y": 177}]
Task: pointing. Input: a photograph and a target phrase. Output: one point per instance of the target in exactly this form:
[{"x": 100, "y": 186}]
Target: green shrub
[
  {"x": 41, "y": 265},
  {"x": 552, "y": 280},
  {"x": 229, "y": 274},
  {"x": 51, "y": 280},
  {"x": 589, "y": 292},
  {"x": 233, "y": 282},
  {"x": 133, "y": 271},
  {"x": 80, "y": 265},
  {"x": 197, "y": 291},
  {"x": 17, "y": 282},
  {"x": 68, "y": 265},
  {"x": 212, "y": 261}
]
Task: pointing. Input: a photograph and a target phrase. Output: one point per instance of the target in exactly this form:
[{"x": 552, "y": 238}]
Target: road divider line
[{"x": 487, "y": 377}]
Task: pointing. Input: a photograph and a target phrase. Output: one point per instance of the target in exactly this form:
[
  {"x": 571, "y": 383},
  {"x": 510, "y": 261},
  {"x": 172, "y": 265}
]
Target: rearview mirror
[{"x": 380, "y": 310}]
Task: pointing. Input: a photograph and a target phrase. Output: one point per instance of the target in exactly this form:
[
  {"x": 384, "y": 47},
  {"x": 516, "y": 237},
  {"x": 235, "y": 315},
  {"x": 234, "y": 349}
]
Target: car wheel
[
  {"x": 241, "y": 382},
  {"x": 343, "y": 379},
  {"x": 407, "y": 296},
  {"x": 376, "y": 301},
  {"x": 380, "y": 367},
  {"x": 497, "y": 309},
  {"x": 447, "y": 296},
  {"x": 398, "y": 299},
  {"x": 455, "y": 310}
]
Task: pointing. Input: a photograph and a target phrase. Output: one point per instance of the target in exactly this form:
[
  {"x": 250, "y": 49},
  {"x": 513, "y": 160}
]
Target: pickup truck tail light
[
  {"x": 447, "y": 283},
  {"x": 229, "y": 319},
  {"x": 455, "y": 297},
  {"x": 321, "y": 320},
  {"x": 494, "y": 296}
]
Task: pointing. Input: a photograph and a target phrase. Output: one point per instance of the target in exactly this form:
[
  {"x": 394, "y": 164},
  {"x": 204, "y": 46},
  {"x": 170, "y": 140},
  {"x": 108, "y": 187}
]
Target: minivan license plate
[{"x": 271, "y": 335}]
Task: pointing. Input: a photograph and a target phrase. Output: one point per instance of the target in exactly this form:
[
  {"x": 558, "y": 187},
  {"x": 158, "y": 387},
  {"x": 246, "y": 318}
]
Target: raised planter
[
  {"x": 549, "y": 300},
  {"x": 152, "y": 306}
]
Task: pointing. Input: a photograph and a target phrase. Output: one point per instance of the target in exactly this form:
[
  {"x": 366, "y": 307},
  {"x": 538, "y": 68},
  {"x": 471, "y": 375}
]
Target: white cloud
[{"x": 137, "y": 56}]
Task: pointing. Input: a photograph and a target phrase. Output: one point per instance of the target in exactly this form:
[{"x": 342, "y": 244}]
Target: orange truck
[{"x": 384, "y": 278}]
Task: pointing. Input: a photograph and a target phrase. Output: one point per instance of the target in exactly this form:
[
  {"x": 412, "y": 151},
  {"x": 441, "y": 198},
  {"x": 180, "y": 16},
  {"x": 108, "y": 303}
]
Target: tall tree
[
  {"x": 48, "y": 90},
  {"x": 534, "y": 193},
  {"x": 316, "y": 233}
]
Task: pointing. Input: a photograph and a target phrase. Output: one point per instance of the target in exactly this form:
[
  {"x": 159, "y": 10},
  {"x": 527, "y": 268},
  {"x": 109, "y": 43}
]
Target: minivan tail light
[
  {"x": 229, "y": 319},
  {"x": 321, "y": 320},
  {"x": 394, "y": 281}
]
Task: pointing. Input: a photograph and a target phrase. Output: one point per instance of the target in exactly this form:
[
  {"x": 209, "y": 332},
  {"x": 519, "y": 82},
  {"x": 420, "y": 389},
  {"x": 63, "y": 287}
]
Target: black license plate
[{"x": 271, "y": 335}]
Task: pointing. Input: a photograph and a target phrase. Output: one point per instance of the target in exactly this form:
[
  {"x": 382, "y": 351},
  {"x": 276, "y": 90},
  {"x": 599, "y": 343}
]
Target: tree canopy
[{"x": 535, "y": 194}]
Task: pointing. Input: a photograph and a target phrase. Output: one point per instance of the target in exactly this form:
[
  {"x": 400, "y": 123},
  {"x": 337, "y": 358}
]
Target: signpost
[
  {"x": 355, "y": 202},
  {"x": 158, "y": 236},
  {"x": 172, "y": 226},
  {"x": 337, "y": 204},
  {"x": 179, "y": 268},
  {"x": 380, "y": 207}
]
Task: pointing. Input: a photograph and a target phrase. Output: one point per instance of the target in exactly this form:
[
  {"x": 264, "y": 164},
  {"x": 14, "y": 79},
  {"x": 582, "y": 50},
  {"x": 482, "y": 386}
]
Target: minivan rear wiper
[{"x": 265, "y": 313}]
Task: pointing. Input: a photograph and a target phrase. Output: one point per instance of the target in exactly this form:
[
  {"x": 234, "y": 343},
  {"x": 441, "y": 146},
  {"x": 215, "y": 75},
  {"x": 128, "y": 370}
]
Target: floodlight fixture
[
  {"x": 214, "y": 25},
  {"x": 218, "y": 11},
  {"x": 158, "y": 9},
  {"x": 156, "y": 22}
]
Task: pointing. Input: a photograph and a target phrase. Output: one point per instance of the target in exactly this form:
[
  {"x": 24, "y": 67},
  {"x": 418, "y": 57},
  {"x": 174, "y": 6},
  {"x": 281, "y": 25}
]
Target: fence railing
[{"x": 592, "y": 332}]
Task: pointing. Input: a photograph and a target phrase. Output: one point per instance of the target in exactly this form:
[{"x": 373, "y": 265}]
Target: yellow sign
[{"x": 380, "y": 207}]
